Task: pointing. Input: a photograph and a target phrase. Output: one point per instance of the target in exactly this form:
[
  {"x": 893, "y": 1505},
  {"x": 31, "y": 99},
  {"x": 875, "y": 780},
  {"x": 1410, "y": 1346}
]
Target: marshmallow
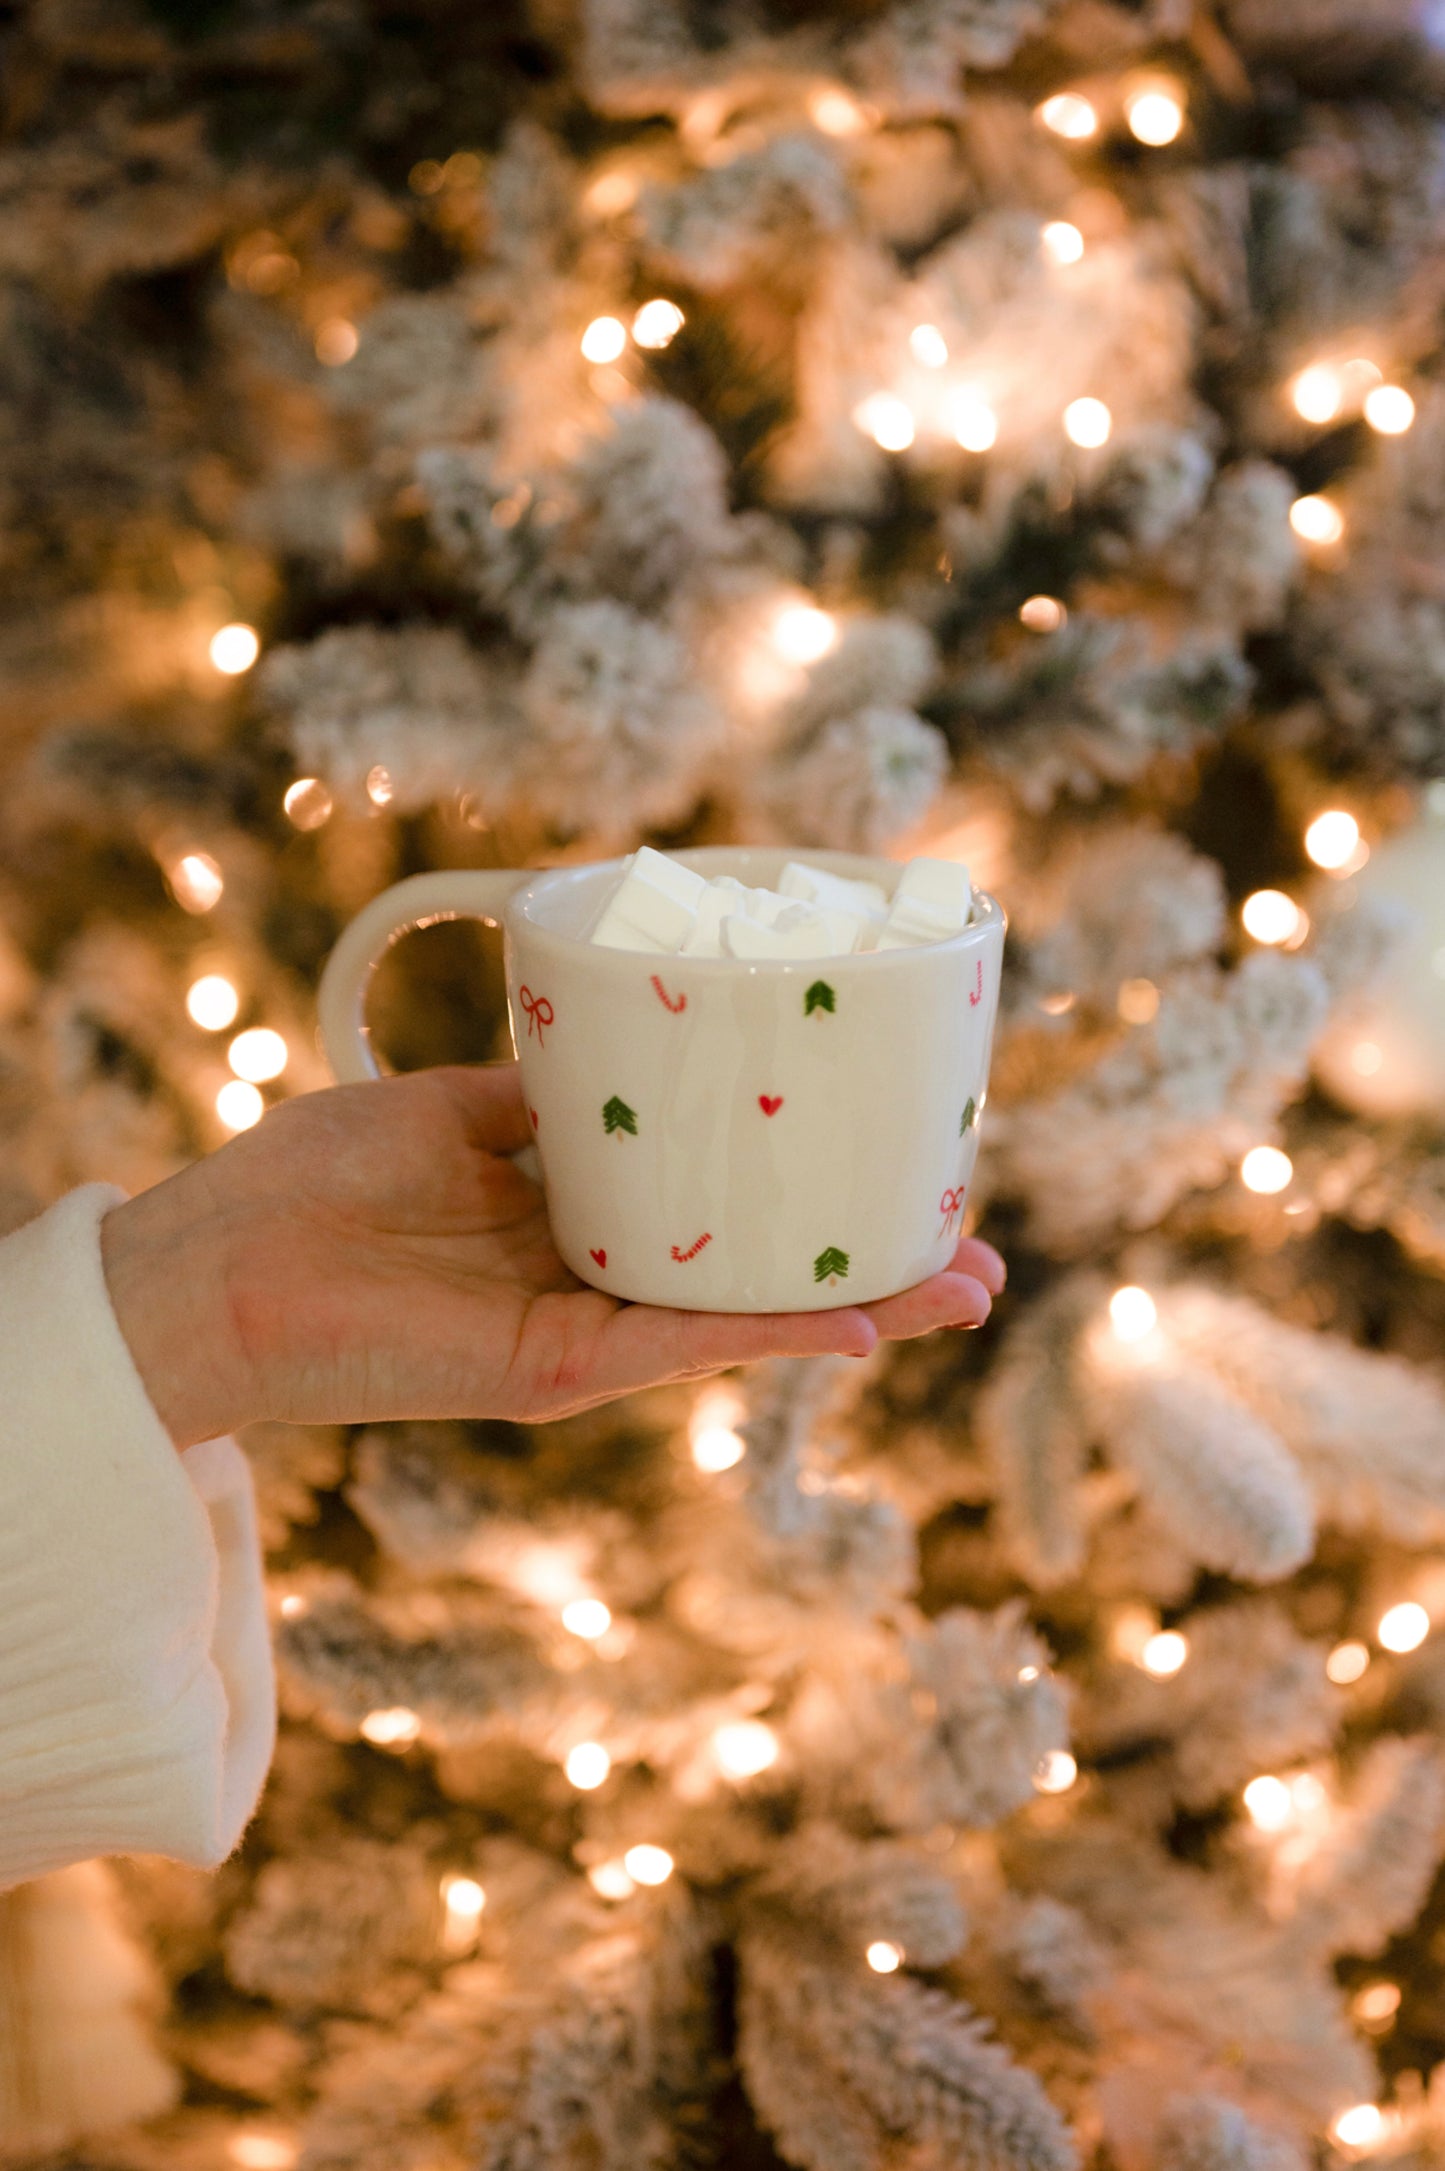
[
  {"x": 800, "y": 931},
  {"x": 817, "y": 886},
  {"x": 932, "y": 901},
  {"x": 653, "y": 907},
  {"x": 721, "y": 897}
]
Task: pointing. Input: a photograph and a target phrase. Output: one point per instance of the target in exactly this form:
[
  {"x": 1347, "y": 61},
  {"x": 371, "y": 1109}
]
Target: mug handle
[{"x": 457, "y": 893}]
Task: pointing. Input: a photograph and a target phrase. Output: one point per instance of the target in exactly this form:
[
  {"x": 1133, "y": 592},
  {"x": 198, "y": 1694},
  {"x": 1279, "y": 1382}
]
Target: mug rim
[{"x": 853, "y": 864}]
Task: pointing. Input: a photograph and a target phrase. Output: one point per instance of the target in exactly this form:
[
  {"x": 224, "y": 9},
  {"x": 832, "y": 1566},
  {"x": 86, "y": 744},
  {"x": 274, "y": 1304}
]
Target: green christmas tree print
[
  {"x": 830, "y": 1264},
  {"x": 819, "y": 997},
  {"x": 970, "y": 1116},
  {"x": 617, "y": 1116}
]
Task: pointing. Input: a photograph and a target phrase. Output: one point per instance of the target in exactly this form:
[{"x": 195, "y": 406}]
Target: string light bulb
[
  {"x": 611, "y": 194},
  {"x": 1375, "y": 2006},
  {"x": 657, "y": 324},
  {"x": 1164, "y": 1654},
  {"x": 647, "y": 1865},
  {"x": 802, "y": 633},
  {"x": 587, "y": 1765},
  {"x": 336, "y": 342},
  {"x": 464, "y": 1899},
  {"x": 610, "y": 1881},
  {"x": 394, "y": 1728},
  {"x": 1317, "y": 520},
  {"x": 1062, "y": 241},
  {"x": 294, "y": 1606},
  {"x": 928, "y": 346},
  {"x": 261, "y": 2151},
  {"x": 196, "y": 882},
  {"x": 1069, "y": 115},
  {"x": 887, "y": 419},
  {"x": 1346, "y": 1663},
  {"x": 1403, "y": 1627},
  {"x": 1270, "y": 916},
  {"x": 604, "y": 339},
  {"x": 1269, "y": 1803},
  {"x": 1389, "y": 409},
  {"x": 1042, "y": 614},
  {"x": 1132, "y": 1313},
  {"x": 1266, "y": 1170},
  {"x": 239, "y": 1105},
  {"x": 745, "y": 1747},
  {"x": 379, "y": 788},
  {"x": 1055, "y": 1772},
  {"x": 1361, "y": 2126},
  {"x": 1332, "y": 839},
  {"x": 1318, "y": 393},
  {"x": 234, "y": 649},
  {"x": 307, "y": 804},
  {"x": 212, "y": 1002},
  {"x": 884, "y": 1957},
  {"x": 836, "y": 114},
  {"x": 1088, "y": 423},
  {"x": 258, "y": 1055},
  {"x": 588, "y": 1618},
  {"x": 972, "y": 421},
  {"x": 1155, "y": 116},
  {"x": 1137, "y": 1001},
  {"x": 714, "y": 1443}
]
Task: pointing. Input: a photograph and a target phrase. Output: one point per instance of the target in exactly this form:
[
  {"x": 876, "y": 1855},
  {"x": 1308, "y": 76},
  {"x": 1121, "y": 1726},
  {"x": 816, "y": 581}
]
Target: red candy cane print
[
  {"x": 692, "y": 1251},
  {"x": 664, "y": 998},
  {"x": 976, "y": 996}
]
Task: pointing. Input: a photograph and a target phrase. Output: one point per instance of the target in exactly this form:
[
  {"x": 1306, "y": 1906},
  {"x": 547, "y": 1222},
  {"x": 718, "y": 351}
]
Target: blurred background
[{"x": 1008, "y": 430}]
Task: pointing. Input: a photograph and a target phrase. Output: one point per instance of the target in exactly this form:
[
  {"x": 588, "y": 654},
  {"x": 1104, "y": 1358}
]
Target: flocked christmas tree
[{"x": 1008, "y": 429}]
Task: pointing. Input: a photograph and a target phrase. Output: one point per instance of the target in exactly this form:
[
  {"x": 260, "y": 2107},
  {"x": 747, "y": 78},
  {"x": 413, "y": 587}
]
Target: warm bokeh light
[
  {"x": 610, "y": 1881},
  {"x": 464, "y": 1900},
  {"x": 1403, "y": 1627},
  {"x": 379, "y": 788},
  {"x": 196, "y": 882},
  {"x": 928, "y": 346},
  {"x": 1043, "y": 614},
  {"x": 1270, "y": 916},
  {"x": 887, "y": 419},
  {"x": 293, "y": 1606},
  {"x": 1087, "y": 422},
  {"x": 657, "y": 324},
  {"x": 212, "y": 1002},
  {"x": 336, "y": 341},
  {"x": 1133, "y": 1313},
  {"x": 745, "y": 1747},
  {"x": 587, "y": 1765},
  {"x": 393, "y": 1728},
  {"x": 1062, "y": 242},
  {"x": 308, "y": 804},
  {"x": 262, "y": 2151},
  {"x": 1346, "y": 1663},
  {"x": 1269, "y": 1802},
  {"x": 587, "y": 1618},
  {"x": 1265, "y": 1169},
  {"x": 648, "y": 1865},
  {"x": 1375, "y": 2005},
  {"x": 1067, "y": 114},
  {"x": 1155, "y": 116},
  {"x": 972, "y": 421},
  {"x": 802, "y": 633},
  {"x": 884, "y": 1957},
  {"x": 1389, "y": 409},
  {"x": 1332, "y": 838},
  {"x": 1366, "y": 1059},
  {"x": 239, "y": 1106},
  {"x": 234, "y": 649},
  {"x": 258, "y": 1055},
  {"x": 1137, "y": 1001},
  {"x": 1317, "y": 520},
  {"x": 1055, "y": 1772},
  {"x": 836, "y": 113},
  {"x": 1359, "y": 2127},
  {"x": 611, "y": 194},
  {"x": 604, "y": 339},
  {"x": 1318, "y": 393},
  {"x": 1164, "y": 1654}
]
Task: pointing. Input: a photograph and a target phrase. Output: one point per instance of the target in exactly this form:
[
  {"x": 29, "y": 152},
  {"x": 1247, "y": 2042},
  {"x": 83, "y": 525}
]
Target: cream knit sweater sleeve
[{"x": 137, "y": 1701}]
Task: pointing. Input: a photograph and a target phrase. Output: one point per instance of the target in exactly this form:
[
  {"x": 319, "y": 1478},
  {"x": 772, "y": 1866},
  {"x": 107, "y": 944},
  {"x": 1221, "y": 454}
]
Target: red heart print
[
  {"x": 770, "y": 1103},
  {"x": 533, "y": 1114},
  {"x": 600, "y": 1257}
]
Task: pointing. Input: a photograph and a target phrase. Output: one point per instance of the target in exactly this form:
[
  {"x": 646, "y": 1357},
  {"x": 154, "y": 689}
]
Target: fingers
[
  {"x": 944, "y": 1300},
  {"x": 489, "y": 1099},
  {"x": 980, "y": 1260}
]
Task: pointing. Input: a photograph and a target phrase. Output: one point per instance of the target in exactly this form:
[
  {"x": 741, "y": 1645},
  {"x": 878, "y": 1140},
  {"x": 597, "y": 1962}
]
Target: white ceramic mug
[{"x": 718, "y": 1134}]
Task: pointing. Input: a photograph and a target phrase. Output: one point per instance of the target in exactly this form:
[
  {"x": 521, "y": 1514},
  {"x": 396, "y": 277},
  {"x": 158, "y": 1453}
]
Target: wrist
[{"x": 164, "y": 1255}]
